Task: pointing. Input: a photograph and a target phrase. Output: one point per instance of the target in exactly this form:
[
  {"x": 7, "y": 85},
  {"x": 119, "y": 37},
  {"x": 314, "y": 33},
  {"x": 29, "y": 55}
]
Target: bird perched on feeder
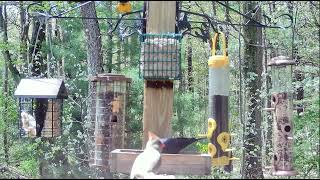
[
  {"x": 175, "y": 145},
  {"x": 147, "y": 163},
  {"x": 28, "y": 123}
]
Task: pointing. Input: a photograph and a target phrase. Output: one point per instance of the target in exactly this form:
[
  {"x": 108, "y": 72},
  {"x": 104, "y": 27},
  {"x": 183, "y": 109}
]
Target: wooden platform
[{"x": 172, "y": 164}]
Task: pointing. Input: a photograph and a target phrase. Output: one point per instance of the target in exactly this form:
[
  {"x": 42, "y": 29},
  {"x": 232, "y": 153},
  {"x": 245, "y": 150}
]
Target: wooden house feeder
[
  {"x": 108, "y": 117},
  {"x": 282, "y": 107},
  {"x": 40, "y": 107},
  {"x": 160, "y": 56}
]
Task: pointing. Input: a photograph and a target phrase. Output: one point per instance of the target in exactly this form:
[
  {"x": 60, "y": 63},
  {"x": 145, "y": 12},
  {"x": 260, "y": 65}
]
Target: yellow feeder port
[
  {"x": 212, "y": 125},
  {"x": 218, "y": 61},
  {"x": 224, "y": 140},
  {"x": 212, "y": 150},
  {"x": 124, "y": 7},
  {"x": 230, "y": 149},
  {"x": 234, "y": 158}
]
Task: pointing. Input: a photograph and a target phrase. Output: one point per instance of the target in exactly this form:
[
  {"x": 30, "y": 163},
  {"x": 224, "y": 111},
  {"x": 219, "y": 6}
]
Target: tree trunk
[
  {"x": 94, "y": 59},
  {"x": 23, "y": 37},
  {"x": 125, "y": 52},
  {"x": 38, "y": 36},
  {"x": 134, "y": 49},
  {"x": 214, "y": 10},
  {"x": 59, "y": 35},
  {"x": 4, "y": 30},
  {"x": 118, "y": 63},
  {"x": 189, "y": 59},
  {"x": 267, "y": 103},
  {"x": 50, "y": 64},
  {"x": 252, "y": 167},
  {"x": 14, "y": 71},
  {"x": 93, "y": 36}
]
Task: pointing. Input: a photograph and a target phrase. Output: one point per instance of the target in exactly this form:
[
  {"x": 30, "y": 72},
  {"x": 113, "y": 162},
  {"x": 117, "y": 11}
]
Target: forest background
[{"x": 63, "y": 43}]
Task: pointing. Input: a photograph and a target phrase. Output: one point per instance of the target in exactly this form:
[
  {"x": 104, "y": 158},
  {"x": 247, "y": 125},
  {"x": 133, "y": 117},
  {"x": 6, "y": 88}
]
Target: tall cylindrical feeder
[
  {"x": 108, "y": 117},
  {"x": 282, "y": 105},
  {"x": 218, "y": 106}
]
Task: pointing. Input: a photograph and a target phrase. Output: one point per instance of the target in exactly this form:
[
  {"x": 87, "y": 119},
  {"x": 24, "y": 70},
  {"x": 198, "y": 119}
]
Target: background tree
[
  {"x": 253, "y": 56},
  {"x": 94, "y": 61}
]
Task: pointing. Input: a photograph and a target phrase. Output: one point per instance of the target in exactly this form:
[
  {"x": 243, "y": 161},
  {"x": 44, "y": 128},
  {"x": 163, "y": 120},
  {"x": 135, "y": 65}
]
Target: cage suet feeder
[
  {"x": 160, "y": 56},
  {"x": 282, "y": 107},
  {"x": 40, "y": 107}
]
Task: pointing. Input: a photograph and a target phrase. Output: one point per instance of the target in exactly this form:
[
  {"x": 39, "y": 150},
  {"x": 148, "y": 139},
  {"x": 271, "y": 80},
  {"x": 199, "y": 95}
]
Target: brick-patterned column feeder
[
  {"x": 282, "y": 107},
  {"x": 108, "y": 117}
]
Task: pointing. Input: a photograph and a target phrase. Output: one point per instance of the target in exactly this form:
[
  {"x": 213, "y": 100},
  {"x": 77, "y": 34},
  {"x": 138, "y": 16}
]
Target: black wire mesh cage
[
  {"x": 108, "y": 116},
  {"x": 160, "y": 56},
  {"x": 40, "y": 107}
]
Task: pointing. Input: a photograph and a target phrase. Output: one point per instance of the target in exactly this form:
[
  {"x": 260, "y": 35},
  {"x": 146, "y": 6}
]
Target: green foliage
[
  {"x": 202, "y": 147},
  {"x": 306, "y": 148},
  {"x": 134, "y": 119},
  {"x": 30, "y": 167}
]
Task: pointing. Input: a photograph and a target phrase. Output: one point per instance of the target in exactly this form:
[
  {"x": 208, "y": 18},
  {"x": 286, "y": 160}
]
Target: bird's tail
[{"x": 201, "y": 138}]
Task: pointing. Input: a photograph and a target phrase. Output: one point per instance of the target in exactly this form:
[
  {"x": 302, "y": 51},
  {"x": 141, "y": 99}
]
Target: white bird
[
  {"x": 28, "y": 123},
  {"x": 148, "y": 162}
]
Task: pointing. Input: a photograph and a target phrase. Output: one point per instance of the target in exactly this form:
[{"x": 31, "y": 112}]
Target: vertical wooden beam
[{"x": 158, "y": 100}]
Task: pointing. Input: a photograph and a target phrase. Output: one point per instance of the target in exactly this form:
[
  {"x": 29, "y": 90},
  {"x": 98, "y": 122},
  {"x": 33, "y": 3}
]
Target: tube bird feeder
[
  {"x": 218, "y": 106},
  {"x": 108, "y": 117},
  {"x": 282, "y": 106}
]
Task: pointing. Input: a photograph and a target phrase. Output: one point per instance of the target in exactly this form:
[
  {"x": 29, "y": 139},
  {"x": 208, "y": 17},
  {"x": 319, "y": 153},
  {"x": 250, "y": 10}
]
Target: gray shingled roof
[{"x": 41, "y": 88}]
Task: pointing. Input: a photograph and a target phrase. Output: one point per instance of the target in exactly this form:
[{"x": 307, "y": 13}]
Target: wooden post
[{"x": 158, "y": 95}]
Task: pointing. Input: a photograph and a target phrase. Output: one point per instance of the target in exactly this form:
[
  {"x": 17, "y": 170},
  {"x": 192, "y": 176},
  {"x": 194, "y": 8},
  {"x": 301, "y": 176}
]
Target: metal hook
[
  {"x": 123, "y": 15},
  {"x": 202, "y": 15},
  {"x": 256, "y": 23}
]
